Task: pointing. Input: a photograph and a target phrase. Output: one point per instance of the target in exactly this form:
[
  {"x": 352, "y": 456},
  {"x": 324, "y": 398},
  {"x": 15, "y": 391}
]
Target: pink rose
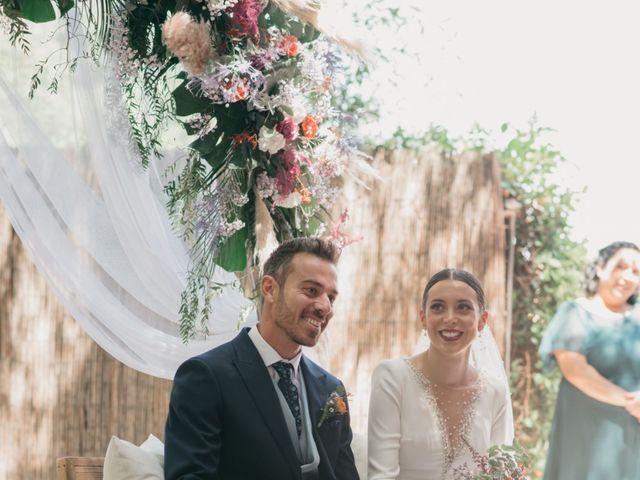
[{"x": 288, "y": 128}]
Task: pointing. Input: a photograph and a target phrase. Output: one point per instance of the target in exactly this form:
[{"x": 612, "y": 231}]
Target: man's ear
[{"x": 269, "y": 288}]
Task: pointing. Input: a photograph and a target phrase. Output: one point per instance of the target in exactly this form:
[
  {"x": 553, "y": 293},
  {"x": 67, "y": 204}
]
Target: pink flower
[
  {"x": 290, "y": 46},
  {"x": 284, "y": 183},
  {"x": 286, "y": 176},
  {"x": 288, "y": 128},
  {"x": 244, "y": 19},
  {"x": 337, "y": 235},
  {"x": 290, "y": 160}
]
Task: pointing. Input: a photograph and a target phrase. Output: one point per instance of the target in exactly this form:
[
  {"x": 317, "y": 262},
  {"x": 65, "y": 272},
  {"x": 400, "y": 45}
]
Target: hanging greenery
[
  {"x": 253, "y": 84},
  {"x": 549, "y": 266}
]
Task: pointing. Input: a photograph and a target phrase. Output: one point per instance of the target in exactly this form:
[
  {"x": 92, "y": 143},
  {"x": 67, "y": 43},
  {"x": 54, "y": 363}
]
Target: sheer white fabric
[
  {"x": 406, "y": 440},
  {"x": 96, "y": 227}
]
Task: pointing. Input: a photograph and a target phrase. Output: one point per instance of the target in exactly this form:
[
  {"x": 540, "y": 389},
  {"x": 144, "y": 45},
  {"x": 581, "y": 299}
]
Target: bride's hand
[{"x": 633, "y": 404}]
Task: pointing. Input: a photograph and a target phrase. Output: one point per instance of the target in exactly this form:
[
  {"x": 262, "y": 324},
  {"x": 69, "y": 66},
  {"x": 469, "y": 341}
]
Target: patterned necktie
[{"x": 289, "y": 391}]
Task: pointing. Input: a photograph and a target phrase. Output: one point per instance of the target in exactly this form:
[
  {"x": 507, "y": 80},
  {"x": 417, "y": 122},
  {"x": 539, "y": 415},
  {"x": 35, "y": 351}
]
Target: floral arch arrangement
[{"x": 250, "y": 82}]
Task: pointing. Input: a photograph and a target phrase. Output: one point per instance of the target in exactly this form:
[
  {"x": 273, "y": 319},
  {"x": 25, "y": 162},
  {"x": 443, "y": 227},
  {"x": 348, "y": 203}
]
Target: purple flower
[
  {"x": 286, "y": 176},
  {"x": 288, "y": 128},
  {"x": 244, "y": 19}
]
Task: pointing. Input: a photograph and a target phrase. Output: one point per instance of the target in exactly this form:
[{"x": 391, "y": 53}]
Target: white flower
[
  {"x": 290, "y": 201},
  {"x": 265, "y": 185},
  {"x": 270, "y": 140},
  {"x": 298, "y": 109}
]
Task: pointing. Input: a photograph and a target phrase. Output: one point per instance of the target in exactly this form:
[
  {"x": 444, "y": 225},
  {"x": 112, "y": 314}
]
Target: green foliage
[
  {"x": 37, "y": 11},
  {"x": 149, "y": 106},
  {"x": 548, "y": 271},
  {"x": 18, "y": 33}
]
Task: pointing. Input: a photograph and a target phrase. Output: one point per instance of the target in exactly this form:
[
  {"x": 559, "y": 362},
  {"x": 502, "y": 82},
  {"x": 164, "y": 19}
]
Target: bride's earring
[{"x": 424, "y": 332}]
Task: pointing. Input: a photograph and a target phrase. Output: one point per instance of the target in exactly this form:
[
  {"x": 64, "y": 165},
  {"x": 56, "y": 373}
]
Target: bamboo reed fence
[
  {"x": 60, "y": 394},
  {"x": 431, "y": 211}
]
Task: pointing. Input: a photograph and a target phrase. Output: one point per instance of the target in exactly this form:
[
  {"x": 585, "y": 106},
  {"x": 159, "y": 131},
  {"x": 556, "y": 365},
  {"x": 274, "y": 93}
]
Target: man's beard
[{"x": 287, "y": 321}]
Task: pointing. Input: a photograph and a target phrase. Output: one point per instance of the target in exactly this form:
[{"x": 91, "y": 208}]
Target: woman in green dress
[{"x": 596, "y": 343}]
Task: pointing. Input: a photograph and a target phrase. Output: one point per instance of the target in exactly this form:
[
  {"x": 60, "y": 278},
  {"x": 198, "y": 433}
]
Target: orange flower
[
  {"x": 290, "y": 45},
  {"x": 305, "y": 196},
  {"x": 240, "y": 138},
  {"x": 341, "y": 405},
  {"x": 310, "y": 127},
  {"x": 239, "y": 89}
]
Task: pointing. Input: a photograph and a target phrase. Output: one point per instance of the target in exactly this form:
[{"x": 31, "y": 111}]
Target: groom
[{"x": 256, "y": 408}]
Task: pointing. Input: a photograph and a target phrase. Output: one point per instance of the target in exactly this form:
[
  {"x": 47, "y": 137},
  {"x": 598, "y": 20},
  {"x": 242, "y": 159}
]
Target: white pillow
[{"x": 126, "y": 461}]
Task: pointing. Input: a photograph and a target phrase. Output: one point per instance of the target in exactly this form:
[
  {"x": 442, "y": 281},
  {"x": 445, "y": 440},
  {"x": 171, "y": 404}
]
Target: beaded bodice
[{"x": 455, "y": 408}]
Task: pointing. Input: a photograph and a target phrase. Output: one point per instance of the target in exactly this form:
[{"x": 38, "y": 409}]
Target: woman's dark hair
[
  {"x": 461, "y": 276},
  {"x": 592, "y": 281}
]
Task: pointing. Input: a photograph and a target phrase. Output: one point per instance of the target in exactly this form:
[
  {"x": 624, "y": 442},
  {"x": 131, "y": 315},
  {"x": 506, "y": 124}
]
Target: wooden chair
[{"x": 79, "y": 468}]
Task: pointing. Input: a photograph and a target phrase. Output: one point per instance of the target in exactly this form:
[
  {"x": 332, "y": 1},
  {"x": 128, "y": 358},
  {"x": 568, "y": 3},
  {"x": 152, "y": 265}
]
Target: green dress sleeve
[{"x": 568, "y": 330}]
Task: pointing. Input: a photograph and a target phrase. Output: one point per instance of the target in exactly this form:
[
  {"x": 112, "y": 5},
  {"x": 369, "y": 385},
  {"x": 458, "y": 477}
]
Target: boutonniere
[{"x": 335, "y": 405}]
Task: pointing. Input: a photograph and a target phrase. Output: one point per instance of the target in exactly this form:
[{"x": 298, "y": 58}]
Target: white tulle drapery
[{"x": 96, "y": 226}]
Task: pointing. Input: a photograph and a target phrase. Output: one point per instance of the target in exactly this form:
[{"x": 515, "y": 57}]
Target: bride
[{"x": 433, "y": 415}]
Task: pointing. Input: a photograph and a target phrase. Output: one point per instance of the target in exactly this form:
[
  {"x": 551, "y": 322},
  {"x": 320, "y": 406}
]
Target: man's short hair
[{"x": 278, "y": 265}]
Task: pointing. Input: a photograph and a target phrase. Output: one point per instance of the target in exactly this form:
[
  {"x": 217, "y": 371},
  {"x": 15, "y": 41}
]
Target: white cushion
[{"x": 126, "y": 461}]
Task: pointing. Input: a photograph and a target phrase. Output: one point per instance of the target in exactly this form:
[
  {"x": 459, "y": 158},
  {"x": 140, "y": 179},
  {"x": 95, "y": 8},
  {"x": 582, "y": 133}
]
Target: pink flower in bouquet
[
  {"x": 189, "y": 41},
  {"x": 262, "y": 60},
  {"x": 290, "y": 46},
  {"x": 288, "y": 128},
  {"x": 285, "y": 178},
  {"x": 291, "y": 163},
  {"x": 302, "y": 158},
  {"x": 244, "y": 19},
  {"x": 338, "y": 235},
  {"x": 284, "y": 183},
  {"x": 236, "y": 90}
]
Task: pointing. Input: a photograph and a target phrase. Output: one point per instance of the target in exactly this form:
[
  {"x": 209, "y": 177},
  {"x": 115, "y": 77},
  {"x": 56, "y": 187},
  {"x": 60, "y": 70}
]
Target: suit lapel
[
  {"x": 316, "y": 383},
  {"x": 317, "y": 392},
  {"x": 260, "y": 386}
]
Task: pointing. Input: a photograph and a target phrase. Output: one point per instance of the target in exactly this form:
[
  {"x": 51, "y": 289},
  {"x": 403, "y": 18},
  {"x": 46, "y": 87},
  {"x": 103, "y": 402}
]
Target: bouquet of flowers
[
  {"x": 502, "y": 462},
  {"x": 251, "y": 82},
  {"x": 267, "y": 149}
]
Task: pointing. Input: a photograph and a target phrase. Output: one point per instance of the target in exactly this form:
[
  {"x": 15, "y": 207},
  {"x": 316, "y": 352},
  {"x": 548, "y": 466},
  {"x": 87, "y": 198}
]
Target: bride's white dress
[{"x": 408, "y": 437}]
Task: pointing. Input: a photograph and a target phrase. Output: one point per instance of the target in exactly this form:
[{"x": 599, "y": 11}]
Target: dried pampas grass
[{"x": 189, "y": 41}]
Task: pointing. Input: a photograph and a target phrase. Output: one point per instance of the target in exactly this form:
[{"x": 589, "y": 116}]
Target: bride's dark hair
[
  {"x": 592, "y": 281},
  {"x": 456, "y": 274}
]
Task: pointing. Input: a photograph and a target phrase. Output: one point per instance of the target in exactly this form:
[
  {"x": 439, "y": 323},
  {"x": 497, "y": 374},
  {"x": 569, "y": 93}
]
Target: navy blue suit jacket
[{"x": 225, "y": 420}]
